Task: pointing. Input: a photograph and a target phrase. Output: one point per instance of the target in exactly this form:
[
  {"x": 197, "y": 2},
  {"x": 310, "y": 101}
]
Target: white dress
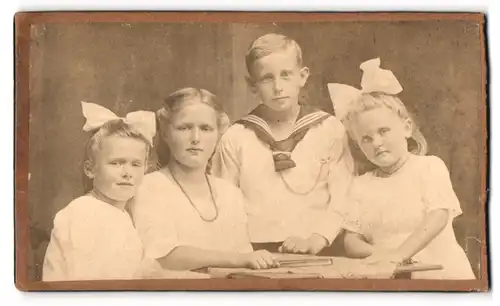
[
  {"x": 165, "y": 218},
  {"x": 93, "y": 240},
  {"x": 390, "y": 209},
  {"x": 299, "y": 201}
]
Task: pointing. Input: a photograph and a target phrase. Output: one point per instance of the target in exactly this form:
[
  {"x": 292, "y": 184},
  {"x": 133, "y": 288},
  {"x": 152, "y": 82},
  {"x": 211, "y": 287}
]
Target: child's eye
[
  {"x": 207, "y": 128},
  {"x": 286, "y": 74},
  {"x": 383, "y": 131},
  {"x": 137, "y": 164},
  {"x": 182, "y": 128},
  {"x": 267, "y": 78},
  {"x": 366, "y": 139}
]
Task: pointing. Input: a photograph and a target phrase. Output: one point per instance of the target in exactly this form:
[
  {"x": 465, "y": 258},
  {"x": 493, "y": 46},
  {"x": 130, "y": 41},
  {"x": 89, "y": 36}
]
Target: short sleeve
[
  {"x": 437, "y": 188},
  {"x": 55, "y": 265},
  {"x": 225, "y": 162},
  {"x": 153, "y": 220}
]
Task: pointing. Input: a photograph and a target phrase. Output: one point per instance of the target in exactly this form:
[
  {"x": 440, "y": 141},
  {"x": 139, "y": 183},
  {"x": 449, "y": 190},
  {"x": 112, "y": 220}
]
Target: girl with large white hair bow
[
  {"x": 405, "y": 206},
  {"x": 93, "y": 237}
]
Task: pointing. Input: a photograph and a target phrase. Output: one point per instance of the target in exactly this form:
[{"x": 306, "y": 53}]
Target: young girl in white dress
[
  {"x": 93, "y": 236},
  {"x": 405, "y": 207},
  {"x": 187, "y": 219}
]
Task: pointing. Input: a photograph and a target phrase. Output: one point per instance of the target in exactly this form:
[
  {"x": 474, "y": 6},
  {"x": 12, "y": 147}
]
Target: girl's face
[
  {"x": 382, "y": 135},
  {"x": 192, "y": 135},
  {"x": 118, "y": 167}
]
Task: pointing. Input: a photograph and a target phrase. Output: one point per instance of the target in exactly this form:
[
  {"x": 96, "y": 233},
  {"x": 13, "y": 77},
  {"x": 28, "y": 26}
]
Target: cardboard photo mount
[{"x": 23, "y": 22}]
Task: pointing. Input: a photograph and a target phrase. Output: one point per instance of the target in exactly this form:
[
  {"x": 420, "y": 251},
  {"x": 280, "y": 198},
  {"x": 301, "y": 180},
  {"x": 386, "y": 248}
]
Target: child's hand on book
[
  {"x": 260, "y": 259},
  {"x": 312, "y": 245}
]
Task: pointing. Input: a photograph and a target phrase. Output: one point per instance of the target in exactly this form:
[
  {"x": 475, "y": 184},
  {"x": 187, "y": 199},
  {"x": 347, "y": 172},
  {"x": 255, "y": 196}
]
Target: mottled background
[{"x": 126, "y": 67}]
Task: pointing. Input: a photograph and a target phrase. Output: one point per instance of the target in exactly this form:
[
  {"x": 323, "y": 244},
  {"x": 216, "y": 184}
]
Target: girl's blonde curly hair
[{"x": 368, "y": 101}]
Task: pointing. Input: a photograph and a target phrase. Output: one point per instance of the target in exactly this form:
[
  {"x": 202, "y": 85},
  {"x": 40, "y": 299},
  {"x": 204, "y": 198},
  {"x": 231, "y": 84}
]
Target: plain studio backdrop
[{"x": 129, "y": 67}]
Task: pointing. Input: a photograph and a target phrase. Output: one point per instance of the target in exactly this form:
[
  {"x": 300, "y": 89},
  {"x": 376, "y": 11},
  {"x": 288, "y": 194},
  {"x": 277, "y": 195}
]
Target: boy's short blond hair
[{"x": 268, "y": 44}]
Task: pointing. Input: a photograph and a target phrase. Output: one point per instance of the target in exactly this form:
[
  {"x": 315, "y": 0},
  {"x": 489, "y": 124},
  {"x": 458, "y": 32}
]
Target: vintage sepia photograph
[{"x": 251, "y": 151}]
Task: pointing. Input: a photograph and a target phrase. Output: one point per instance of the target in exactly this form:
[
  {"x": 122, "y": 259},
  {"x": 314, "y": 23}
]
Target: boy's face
[
  {"x": 277, "y": 79},
  {"x": 118, "y": 167},
  {"x": 381, "y": 135}
]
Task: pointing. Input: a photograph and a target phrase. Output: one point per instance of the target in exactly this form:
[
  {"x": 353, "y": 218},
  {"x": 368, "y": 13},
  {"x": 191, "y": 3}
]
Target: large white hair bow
[
  {"x": 374, "y": 79},
  {"x": 143, "y": 121}
]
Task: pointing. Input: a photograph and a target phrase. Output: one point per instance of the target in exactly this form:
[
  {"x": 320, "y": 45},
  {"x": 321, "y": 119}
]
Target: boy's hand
[{"x": 312, "y": 245}]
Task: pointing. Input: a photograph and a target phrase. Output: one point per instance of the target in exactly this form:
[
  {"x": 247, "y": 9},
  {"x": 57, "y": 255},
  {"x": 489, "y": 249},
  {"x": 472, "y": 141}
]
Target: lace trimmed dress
[{"x": 389, "y": 209}]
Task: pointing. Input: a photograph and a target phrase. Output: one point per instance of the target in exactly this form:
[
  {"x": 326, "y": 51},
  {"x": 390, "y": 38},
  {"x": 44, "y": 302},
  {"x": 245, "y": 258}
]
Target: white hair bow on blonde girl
[
  {"x": 97, "y": 115},
  {"x": 374, "y": 79}
]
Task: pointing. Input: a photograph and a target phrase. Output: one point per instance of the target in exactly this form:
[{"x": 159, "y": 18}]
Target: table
[
  {"x": 328, "y": 267},
  {"x": 307, "y": 266}
]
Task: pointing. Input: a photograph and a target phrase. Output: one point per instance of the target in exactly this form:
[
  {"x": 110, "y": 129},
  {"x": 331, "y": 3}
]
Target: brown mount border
[{"x": 23, "y": 22}]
